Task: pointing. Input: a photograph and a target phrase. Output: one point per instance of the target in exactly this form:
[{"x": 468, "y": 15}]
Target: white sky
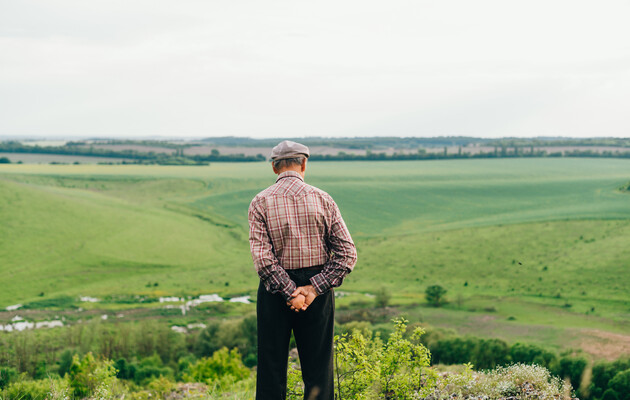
[{"x": 124, "y": 68}]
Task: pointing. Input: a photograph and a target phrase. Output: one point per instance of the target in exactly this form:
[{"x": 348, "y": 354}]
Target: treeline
[
  {"x": 502, "y": 149},
  {"x": 41, "y": 352},
  {"x": 129, "y": 156},
  {"x": 511, "y": 142},
  {"x": 151, "y": 359},
  {"x": 371, "y": 143},
  {"x": 499, "y": 152},
  {"x": 359, "y": 143},
  {"x": 142, "y": 351}
]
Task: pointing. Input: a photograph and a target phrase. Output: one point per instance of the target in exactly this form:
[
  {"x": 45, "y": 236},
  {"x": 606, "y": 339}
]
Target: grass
[{"x": 541, "y": 240}]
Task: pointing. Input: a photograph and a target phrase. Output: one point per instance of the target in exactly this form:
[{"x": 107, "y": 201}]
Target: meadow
[{"x": 532, "y": 249}]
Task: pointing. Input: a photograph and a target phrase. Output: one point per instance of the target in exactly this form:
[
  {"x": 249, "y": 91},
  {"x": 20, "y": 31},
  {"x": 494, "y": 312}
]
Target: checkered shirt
[{"x": 294, "y": 225}]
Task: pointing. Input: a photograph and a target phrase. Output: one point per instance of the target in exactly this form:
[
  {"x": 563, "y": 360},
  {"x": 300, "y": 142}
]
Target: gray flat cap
[{"x": 289, "y": 149}]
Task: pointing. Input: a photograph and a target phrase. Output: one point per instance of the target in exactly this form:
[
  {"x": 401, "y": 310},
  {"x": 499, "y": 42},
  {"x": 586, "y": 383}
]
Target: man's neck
[{"x": 296, "y": 169}]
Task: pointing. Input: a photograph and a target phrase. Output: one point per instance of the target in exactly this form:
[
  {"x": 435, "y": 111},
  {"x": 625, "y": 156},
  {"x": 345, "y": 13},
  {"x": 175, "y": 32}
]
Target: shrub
[
  {"x": 51, "y": 389},
  {"x": 531, "y": 354},
  {"x": 223, "y": 365},
  {"x": 610, "y": 394},
  {"x": 382, "y": 298},
  {"x": 143, "y": 371},
  {"x": 620, "y": 383},
  {"x": 571, "y": 368},
  {"x": 435, "y": 295},
  {"x": 394, "y": 369},
  {"x": 27, "y": 390},
  {"x": 518, "y": 380},
  {"x": 603, "y": 373},
  {"x": 7, "y": 375},
  {"x": 89, "y": 376}
]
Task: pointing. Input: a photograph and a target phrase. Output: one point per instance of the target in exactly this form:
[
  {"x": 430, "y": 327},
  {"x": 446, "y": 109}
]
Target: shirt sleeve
[
  {"x": 343, "y": 254},
  {"x": 272, "y": 275}
]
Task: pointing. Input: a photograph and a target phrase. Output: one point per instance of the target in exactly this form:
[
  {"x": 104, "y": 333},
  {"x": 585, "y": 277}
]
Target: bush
[
  {"x": 148, "y": 368},
  {"x": 519, "y": 381},
  {"x": 571, "y": 368},
  {"x": 620, "y": 383},
  {"x": 531, "y": 354},
  {"x": 7, "y": 375},
  {"x": 223, "y": 365},
  {"x": 393, "y": 369},
  {"x": 435, "y": 295},
  {"x": 382, "y": 298},
  {"x": 89, "y": 376},
  {"x": 51, "y": 389},
  {"x": 603, "y": 373},
  {"x": 241, "y": 334},
  {"x": 610, "y": 394}
]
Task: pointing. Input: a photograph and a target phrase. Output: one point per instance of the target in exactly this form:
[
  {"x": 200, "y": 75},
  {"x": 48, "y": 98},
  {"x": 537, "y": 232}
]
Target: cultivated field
[{"x": 528, "y": 249}]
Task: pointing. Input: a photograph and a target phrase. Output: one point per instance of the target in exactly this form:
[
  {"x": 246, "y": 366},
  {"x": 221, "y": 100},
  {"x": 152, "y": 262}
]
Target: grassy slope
[
  {"x": 75, "y": 229},
  {"x": 73, "y": 241}
]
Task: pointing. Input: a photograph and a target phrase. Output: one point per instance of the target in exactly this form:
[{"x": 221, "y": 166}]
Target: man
[{"x": 301, "y": 250}]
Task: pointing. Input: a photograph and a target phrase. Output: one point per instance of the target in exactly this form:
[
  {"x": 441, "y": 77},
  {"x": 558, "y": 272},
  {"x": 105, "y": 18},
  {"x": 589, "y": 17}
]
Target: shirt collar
[{"x": 290, "y": 174}]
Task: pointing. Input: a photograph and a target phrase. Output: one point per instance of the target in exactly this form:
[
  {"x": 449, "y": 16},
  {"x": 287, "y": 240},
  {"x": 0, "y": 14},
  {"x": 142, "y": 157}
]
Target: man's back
[
  {"x": 299, "y": 217},
  {"x": 301, "y": 249}
]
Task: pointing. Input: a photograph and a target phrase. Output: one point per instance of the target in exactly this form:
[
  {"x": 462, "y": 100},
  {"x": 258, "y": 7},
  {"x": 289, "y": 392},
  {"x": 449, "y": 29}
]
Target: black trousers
[{"x": 313, "y": 331}]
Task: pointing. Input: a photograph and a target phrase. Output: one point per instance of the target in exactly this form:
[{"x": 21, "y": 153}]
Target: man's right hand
[
  {"x": 309, "y": 294},
  {"x": 297, "y": 302}
]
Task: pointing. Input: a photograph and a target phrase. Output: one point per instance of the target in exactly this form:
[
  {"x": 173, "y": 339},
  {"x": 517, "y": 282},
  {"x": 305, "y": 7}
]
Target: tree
[
  {"x": 4, "y": 160},
  {"x": 435, "y": 295},
  {"x": 382, "y": 298},
  {"x": 621, "y": 384}
]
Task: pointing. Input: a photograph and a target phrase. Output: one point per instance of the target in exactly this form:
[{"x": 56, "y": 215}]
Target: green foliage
[
  {"x": 241, "y": 334},
  {"x": 402, "y": 363},
  {"x": 161, "y": 387},
  {"x": 532, "y": 354},
  {"x": 620, "y": 383},
  {"x": 435, "y": 295},
  {"x": 383, "y": 296},
  {"x": 393, "y": 369},
  {"x": 223, "y": 365},
  {"x": 27, "y": 390},
  {"x": 295, "y": 384},
  {"x": 610, "y": 394},
  {"x": 482, "y": 353},
  {"x": 356, "y": 366},
  {"x": 149, "y": 368},
  {"x": 571, "y": 368},
  {"x": 602, "y": 374},
  {"x": 4, "y": 160},
  {"x": 89, "y": 376},
  {"x": 65, "y": 362},
  {"x": 7, "y": 374}
]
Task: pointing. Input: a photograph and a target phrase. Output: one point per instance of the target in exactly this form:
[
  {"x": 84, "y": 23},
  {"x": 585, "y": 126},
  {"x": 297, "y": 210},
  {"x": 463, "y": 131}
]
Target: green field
[{"x": 532, "y": 249}]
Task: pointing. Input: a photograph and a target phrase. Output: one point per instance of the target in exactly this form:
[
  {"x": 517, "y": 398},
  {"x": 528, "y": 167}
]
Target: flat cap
[{"x": 289, "y": 149}]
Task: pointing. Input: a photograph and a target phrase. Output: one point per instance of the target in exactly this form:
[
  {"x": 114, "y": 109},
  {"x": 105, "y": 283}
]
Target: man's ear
[
  {"x": 303, "y": 166},
  {"x": 275, "y": 171}
]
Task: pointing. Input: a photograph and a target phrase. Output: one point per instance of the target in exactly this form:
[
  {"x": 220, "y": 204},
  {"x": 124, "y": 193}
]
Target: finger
[{"x": 297, "y": 291}]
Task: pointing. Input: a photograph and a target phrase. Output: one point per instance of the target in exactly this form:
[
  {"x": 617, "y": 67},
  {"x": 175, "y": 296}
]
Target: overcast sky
[{"x": 131, "y": 68}]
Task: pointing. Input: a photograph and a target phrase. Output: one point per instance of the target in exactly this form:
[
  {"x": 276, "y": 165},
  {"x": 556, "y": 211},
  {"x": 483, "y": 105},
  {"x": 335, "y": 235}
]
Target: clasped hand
[{"x": 301, "y": 298}]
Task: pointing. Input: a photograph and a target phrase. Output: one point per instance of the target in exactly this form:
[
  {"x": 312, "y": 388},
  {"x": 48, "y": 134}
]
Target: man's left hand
[
  {"x": 296, "y": 303},
  {"x": 309, "y": 294}
]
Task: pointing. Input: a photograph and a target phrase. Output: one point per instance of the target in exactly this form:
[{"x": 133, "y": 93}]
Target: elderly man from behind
[{"x": 301, "y": 249}]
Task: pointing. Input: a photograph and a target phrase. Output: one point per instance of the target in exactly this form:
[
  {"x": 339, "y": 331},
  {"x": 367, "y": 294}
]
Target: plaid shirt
[{"x": 293, "y": 225}]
